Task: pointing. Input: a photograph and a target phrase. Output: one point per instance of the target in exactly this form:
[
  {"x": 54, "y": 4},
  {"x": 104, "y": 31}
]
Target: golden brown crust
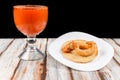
[{"x": 80, "y": 50}]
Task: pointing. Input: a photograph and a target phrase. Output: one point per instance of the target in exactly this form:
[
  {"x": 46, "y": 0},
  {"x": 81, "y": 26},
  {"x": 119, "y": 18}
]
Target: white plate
[{"x": 105, "y": 51}]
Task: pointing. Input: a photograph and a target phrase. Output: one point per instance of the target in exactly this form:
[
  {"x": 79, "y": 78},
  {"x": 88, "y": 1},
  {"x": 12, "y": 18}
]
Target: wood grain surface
[{"x": 12, "y": 68}]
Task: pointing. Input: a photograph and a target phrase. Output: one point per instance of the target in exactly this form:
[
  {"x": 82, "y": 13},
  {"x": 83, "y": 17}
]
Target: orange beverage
[{"x": 30, "y": 19}]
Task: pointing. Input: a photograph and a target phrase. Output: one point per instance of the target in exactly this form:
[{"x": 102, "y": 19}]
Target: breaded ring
[{"x": 80, "y": 50}]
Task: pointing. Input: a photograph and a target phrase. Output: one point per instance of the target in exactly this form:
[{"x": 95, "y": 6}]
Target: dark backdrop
[{"x": 97, "y": 18}]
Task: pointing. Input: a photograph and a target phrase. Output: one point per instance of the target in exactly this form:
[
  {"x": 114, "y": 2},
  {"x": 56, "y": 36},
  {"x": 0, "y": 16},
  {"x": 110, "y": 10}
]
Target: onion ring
[{"x": 80, "y": 50}]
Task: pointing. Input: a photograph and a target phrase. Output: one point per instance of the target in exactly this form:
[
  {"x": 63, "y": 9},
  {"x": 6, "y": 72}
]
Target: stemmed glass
[{"x": 30, "y": 20}]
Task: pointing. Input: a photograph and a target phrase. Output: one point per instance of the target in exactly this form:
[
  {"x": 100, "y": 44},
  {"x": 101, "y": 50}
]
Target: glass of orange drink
[{"x": 31, "y": 20}]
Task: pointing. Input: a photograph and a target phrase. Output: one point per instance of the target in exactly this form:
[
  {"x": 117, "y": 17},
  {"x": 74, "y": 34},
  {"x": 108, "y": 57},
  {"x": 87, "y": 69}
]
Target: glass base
[{"x": 31, "y": 53}]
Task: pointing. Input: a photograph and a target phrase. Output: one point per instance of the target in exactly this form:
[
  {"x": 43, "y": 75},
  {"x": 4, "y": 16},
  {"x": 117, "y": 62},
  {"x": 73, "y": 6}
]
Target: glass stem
[
  {"x": 31, "y": 52},
  {"x": 31, "y": 40}
]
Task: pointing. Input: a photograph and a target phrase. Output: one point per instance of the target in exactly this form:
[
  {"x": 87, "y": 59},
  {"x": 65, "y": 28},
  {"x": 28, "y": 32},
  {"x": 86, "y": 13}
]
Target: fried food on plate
[{"x": 80, "y": 50}]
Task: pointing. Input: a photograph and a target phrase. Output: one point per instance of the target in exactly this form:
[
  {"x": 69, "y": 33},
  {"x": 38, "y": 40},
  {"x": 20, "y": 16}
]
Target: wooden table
[{"x": 12, "y": 68}]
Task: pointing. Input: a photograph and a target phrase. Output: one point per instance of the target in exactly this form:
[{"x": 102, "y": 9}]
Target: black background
[{"x": 99, "y": 18}]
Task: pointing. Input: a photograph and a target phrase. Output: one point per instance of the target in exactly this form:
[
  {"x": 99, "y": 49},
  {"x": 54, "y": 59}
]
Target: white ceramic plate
[{"x": 105, "y": 51}]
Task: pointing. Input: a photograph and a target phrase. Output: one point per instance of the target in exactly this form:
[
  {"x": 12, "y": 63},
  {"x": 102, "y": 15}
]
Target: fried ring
[{"x": 80, "y": 50}]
